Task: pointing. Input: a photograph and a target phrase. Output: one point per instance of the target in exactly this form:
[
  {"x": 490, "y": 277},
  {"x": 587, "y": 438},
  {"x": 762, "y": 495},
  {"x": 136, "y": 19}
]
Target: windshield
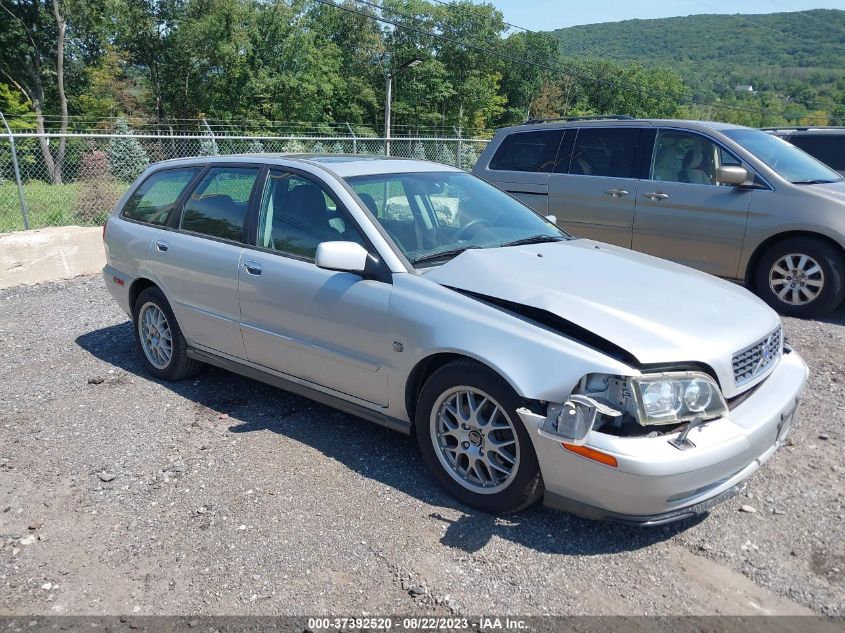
[
  {"x": 436, "y": 215},
  {"x": 785, "y": 159}
]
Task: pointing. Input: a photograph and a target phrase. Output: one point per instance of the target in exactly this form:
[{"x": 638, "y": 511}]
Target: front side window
[
  {"x": 528, "y": 151},
  {"x": 688, "y": 158},
  {"x": 218, "y": 205},
  {"x": 609, "y": 152},
  {"x": 297, "y": 214},
  {"x": 154, "y": 201},
  {"x": 785, "y": 159},
  {"x": 444, "y": 213}
]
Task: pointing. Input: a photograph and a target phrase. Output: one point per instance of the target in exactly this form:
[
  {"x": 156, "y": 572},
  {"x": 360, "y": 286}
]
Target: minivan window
[
  {"x": 528, "y": 151},
  {"x": 218, "y": 205},
  {"x": 154, "y": 200},
  {"x": 785, "y": 159},
  {"x": 688, "y": 158},
  {"x": 829, "y": 149},
  {"x": 606, "y": 152}
]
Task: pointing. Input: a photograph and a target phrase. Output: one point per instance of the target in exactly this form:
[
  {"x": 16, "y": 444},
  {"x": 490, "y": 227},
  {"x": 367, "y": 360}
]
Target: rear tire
[
  {"x": 801, "y": 277},
  {"x": 472, "y": 439},
  {"x": 159, "y": 338}
]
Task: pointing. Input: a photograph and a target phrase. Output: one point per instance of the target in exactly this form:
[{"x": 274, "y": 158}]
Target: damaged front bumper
[{"x": 650, "y": 481}]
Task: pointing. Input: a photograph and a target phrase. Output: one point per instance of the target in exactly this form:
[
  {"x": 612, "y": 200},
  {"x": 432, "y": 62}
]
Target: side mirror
[
  {"x": 552, "y": 219},
  {"x": 731, "y": 175},
  {"x": 348, "y": 257}
]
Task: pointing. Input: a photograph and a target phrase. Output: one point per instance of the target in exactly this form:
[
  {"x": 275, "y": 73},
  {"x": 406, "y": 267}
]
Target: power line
[{"x": 557, "y": 69}]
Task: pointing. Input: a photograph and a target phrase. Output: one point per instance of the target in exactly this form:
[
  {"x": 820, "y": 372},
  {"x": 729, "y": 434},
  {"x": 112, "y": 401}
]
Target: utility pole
[{"x": 388, "y": 98}]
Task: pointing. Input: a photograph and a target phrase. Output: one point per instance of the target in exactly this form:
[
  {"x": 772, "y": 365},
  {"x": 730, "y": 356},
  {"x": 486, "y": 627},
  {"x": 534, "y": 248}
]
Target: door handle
[
  {"x": 162, "y": 245},
  {"x": 616, "y": 193},
  {"x": 252, "y": 267},
  {"x": 656, "y": 195}
]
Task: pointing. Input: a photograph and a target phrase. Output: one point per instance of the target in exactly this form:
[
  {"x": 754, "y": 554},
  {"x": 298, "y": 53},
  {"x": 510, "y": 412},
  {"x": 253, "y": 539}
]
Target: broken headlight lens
[{"x": 670, "y": 398}]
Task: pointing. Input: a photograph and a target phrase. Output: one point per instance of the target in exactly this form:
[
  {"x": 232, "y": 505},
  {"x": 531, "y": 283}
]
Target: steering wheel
[{"x": 470, "y": 228}]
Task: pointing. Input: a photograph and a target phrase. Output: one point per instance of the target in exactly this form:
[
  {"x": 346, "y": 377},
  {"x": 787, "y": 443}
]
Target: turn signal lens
[{"x": 591, "y": 453}]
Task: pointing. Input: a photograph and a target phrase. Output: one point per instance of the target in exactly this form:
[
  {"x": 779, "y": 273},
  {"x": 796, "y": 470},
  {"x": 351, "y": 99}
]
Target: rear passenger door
[
  {"x": 198, "y": 263},
  {"x": 522, "y": 164},
  {"x": 593, "y": 191},
  {"x": 683, "y": 214}
]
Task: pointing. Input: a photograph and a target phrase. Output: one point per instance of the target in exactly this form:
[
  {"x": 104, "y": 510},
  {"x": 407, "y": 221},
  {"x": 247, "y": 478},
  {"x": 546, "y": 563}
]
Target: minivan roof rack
[{"x": 595, "y": 117}]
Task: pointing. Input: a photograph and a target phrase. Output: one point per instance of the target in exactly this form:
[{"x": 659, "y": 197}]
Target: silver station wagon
[
  {"x": 729, "y": 200},
  {"x": 526, "y": 363}
]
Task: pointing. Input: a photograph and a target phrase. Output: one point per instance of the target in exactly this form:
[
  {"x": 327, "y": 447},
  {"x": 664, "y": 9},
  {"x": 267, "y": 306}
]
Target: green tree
[{"x": 126, "y": 156}]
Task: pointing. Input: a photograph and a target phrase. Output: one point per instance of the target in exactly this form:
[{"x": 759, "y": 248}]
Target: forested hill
[{"x": 770, "y": 52}]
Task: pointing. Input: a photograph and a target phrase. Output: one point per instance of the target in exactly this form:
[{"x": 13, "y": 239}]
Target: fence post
[
  {"x": 460, "y": 147},
  {"x": 354, "y": 139},
  {"x": 24, "y": 210}
]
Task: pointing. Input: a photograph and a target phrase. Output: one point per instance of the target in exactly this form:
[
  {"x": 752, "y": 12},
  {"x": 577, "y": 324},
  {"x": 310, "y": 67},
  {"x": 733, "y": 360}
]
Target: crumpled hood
[{"x": 658, "y": 311}]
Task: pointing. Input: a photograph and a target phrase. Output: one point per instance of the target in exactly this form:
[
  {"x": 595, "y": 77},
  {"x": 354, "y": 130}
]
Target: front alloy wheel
[
  {"x": 801, "y": 276},
  {"x": 472, "y": 439},
  {"x": 475, "y": 439},
  {"x": 796, "y": 279}
]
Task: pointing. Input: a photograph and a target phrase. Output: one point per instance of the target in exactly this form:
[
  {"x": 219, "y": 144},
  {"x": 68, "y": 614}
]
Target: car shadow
[{"x": 391, "y": 458}]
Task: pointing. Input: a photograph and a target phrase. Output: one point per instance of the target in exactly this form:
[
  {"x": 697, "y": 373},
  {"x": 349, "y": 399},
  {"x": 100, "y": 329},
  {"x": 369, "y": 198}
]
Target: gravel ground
[{"x": 220, "y": 495}]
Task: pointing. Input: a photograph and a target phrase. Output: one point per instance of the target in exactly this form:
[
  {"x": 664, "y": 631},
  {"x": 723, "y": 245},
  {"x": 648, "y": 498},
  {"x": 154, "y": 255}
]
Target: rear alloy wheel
[
  {"x": 159, "y": 338},
  {"x": 801, "y": 277},
  {"x": 473, "y": 441}
]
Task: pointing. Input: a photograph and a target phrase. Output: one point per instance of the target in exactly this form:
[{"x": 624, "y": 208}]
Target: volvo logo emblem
[{"x": 475, "y": 437}]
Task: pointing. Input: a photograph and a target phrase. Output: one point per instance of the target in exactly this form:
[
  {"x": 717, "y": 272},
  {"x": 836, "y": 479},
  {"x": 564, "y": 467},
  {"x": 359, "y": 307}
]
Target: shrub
[
  {"x": 338, "y": 148},
  {"x": 445, "y": 155},
  {"x": 293, "y": 147},
  {"x": 126, "y": 156},
  {"x": 468, "y": 156},
  {"x": 208, "y": 147},
  {"x": 255, "y": 147}
]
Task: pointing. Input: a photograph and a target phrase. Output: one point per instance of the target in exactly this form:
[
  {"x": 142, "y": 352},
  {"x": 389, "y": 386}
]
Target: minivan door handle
[
  {"x": 252, "y": 267},
  {"x": 616, "y": 193},
  {"x": 656, "y": 195},
  {"x": 162, "y": 245}
]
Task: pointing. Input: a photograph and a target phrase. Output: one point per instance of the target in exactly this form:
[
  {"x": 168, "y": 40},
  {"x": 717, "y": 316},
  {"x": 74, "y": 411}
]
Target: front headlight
[{"x": 674, "y": 397}]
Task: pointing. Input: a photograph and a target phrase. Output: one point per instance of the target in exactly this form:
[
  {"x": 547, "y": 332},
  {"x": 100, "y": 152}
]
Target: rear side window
[
  {"x": 828, "y": 149},
  {"x": 154, "y": 201},
  {"x": 528, "y": 151},
  {"x": 218, "y": 205},
  {"x": 606, "y": 152}
]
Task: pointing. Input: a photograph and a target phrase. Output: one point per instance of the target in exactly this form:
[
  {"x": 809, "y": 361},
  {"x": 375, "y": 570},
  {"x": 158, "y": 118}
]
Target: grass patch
[{"x": 57, "y": 205}]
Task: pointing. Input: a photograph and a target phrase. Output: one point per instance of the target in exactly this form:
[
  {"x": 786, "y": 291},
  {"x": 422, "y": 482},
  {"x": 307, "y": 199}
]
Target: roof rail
[
  {"x": 802, "y": 128},
  {"x": 595, "y": 117}
]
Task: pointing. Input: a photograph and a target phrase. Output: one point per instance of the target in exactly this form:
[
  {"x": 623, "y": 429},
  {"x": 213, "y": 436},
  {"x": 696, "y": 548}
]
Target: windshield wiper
[
  {"x": 535, "y": 239},
  {"x": 452, "y": 252},
  {"x": 813, "y": 182}
]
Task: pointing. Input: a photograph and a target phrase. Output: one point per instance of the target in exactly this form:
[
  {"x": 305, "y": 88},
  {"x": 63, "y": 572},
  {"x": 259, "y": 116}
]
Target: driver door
[{"x": 321, "y": 326}]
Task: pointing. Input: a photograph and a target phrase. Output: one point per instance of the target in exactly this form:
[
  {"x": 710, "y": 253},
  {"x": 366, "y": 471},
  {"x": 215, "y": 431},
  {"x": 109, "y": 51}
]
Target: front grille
[{"x": 755, "y": 360}]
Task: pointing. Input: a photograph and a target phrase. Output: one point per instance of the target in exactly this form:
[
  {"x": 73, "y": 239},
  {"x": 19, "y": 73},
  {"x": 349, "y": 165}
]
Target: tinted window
[
  {"x": 606, "y": 152},
  {"x": 155, "y": 199},
  {"x": 218, "y": 204},
  {"x": 828, "y": 149},
  {"x": 297, "y": 214},
  {"x": 528, "y": 151}
]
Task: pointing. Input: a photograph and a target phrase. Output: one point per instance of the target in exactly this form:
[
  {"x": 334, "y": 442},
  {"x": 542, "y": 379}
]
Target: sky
[{"x": 547, "y": 15}]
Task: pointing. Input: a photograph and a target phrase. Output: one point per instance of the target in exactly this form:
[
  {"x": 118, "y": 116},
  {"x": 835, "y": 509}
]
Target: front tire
[
  {"x": 801, "y": 277},
  {"x": 472, "y": 439},
  {"x": 159, "y": 338}
]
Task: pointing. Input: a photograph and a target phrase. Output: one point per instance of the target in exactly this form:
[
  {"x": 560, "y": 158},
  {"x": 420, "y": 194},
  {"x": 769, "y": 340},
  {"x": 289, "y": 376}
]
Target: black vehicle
[{"x": 826, "y": 144}]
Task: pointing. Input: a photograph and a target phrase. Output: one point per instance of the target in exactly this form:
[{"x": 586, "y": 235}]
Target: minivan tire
[
  {"x": 152, "y": 304},
  {"x": 832, "y": 273},
  {"x": 524, "y": 485}
]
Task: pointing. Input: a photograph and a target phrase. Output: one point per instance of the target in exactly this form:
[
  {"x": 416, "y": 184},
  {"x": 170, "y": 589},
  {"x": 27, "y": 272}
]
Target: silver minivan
[{"x": 729, "y": 200}]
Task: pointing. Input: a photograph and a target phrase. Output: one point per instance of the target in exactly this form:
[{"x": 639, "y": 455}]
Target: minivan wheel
[
  {"x": 801, "y": 277},
  {"x": 472, "y": 439},
  {"x": 159, "y": 338}
]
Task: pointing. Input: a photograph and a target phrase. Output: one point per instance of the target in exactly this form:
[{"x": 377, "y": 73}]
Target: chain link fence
[{"x": 76, "y": 179}]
